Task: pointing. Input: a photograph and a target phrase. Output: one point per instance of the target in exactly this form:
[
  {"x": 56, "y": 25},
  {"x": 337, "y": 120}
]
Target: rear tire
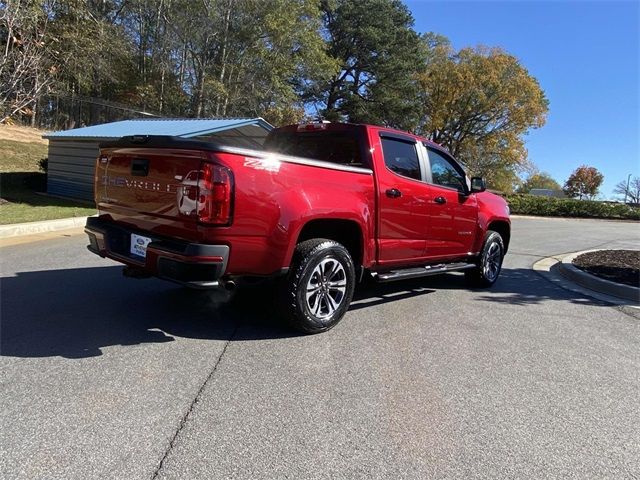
[
  {"x": 489, "y": 264},
  {"x": 318, "y": 289}
]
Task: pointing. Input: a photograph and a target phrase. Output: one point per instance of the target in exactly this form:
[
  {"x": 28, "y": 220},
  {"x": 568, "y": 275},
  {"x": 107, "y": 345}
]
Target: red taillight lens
[{"x": 215, "y": 194}]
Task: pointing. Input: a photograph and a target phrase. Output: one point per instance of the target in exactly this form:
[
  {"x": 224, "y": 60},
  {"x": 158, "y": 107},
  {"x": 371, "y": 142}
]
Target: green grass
[
  {"x": 20, "y": 182},
  {"x": 20, "y": 156}
]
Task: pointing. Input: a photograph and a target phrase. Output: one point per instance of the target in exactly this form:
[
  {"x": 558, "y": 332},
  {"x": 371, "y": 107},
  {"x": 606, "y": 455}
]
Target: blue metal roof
[{"x": 177, "y": 127}]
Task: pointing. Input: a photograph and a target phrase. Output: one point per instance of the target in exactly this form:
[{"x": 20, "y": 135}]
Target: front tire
[
  {"x": 319, "y": 287},
  {"x": 489, "y": 265}
]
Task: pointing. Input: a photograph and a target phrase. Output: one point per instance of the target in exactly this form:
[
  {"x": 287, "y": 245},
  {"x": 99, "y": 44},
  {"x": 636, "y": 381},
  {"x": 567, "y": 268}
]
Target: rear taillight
[{"x": 215, "y": 194}]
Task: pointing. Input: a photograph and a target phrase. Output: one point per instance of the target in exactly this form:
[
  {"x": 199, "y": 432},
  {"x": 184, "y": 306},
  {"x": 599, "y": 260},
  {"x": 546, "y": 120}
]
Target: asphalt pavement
[{"x": 108, "y": 377}]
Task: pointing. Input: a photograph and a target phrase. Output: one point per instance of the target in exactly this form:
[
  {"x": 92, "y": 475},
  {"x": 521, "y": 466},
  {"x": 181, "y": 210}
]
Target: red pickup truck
[{"x": 321, "y": 205}]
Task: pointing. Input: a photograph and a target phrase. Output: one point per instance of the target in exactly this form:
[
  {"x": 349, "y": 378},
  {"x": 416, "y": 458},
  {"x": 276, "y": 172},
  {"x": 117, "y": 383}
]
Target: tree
[
  {"x": 94, "y": 56},
  {"x": 176, "y": 57},
  {"x": 584, "y": 182},
  {"x": 479, "y": 103},
  {"x": 630, "y": 191},
  {"x": 378, "y": 52},
  {"x": 25, "y": 51},
  {"x": 360, "y": 61},
  {"x": 539, "y": 180},
  {"x": 247, "y": 57}
]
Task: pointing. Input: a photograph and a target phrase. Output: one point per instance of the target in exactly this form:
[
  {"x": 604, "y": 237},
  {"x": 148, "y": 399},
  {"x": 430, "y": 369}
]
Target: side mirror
[{"x": 478, "y": 185}]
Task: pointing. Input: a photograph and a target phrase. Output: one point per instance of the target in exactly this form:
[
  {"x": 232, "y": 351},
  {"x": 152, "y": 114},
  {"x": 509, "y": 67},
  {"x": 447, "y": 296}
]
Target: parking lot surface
[{"x": 108, "y": 377}]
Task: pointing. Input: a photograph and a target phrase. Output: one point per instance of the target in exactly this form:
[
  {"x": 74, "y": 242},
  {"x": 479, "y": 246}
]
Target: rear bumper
[{"x": 195, "y": 265}]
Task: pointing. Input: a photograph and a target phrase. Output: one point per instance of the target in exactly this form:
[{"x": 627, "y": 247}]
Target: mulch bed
[{"x": 620, "y": 266}]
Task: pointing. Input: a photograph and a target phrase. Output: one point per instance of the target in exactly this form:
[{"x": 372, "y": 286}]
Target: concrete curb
[
  {"x": 549, "y": 269},
  {"x": 594, "y": 283},
  {"x": 32, "y": 228}
]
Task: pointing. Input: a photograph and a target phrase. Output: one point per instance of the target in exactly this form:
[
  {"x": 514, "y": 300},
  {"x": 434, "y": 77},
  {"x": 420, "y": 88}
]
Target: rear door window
[{"x": 401, "y": 157}]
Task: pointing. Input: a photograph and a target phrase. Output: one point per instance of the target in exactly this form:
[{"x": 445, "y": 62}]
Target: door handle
[
  {"x": 393, "y": 193},
  {"x": 440, "y": 200}
]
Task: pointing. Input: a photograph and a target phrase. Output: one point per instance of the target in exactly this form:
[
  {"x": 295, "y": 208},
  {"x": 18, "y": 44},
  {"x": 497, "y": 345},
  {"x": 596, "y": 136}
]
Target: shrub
[
  {"x": 43, "y": 164},
  {"x": 566, "y": 207}
]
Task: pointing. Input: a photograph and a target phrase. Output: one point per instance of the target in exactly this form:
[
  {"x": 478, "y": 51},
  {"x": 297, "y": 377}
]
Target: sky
[{"x": 584, "y": 54}]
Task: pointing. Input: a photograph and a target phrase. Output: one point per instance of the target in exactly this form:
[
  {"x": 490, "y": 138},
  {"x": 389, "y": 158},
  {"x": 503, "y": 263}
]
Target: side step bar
[{"x": 416, "y": 272}]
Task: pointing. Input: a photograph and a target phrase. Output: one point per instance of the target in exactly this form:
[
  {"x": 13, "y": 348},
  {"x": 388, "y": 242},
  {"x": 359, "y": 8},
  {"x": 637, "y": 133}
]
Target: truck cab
[{"x": 428, "y": 209}]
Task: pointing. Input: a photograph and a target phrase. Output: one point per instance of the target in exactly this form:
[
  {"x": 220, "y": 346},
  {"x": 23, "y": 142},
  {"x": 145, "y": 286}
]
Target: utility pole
[{"x": 626, "y": 191}]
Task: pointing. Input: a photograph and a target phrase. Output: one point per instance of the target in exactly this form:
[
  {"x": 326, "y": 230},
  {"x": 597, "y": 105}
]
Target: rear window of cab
[{"x": 341, "y": 147}]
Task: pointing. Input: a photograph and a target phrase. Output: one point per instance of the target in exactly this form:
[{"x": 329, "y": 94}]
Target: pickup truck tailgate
[{"x": 150, "y": 189}]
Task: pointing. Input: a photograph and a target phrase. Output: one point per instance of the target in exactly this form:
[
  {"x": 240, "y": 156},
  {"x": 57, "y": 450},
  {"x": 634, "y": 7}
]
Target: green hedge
[{"x": 566, "y": 207}]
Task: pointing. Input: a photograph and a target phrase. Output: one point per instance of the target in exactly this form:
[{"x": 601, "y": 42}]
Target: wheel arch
[
  {"x": 346, "y": 232},
  {"x": 504, "y": 229}
]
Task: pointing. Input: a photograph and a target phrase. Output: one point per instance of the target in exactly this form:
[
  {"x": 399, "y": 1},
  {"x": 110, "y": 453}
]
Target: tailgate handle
[{"x": 140, "y": 167}]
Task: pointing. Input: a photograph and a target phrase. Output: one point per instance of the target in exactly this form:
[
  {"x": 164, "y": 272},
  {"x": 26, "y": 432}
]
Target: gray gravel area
[{"x": 107, "y": 377}]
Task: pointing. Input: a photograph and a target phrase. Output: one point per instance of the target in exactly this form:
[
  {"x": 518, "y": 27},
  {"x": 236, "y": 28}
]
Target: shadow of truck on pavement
[{"x": 74, "y": 313}]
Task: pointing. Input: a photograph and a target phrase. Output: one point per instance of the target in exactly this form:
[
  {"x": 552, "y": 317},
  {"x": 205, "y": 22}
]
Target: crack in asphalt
[
  {"x": 196, "y": 398},
  {"x": 510, "y": 252}
]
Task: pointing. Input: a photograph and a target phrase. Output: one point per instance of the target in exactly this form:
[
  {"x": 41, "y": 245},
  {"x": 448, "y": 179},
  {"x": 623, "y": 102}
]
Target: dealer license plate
[{"x": 139, "y": 245}]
